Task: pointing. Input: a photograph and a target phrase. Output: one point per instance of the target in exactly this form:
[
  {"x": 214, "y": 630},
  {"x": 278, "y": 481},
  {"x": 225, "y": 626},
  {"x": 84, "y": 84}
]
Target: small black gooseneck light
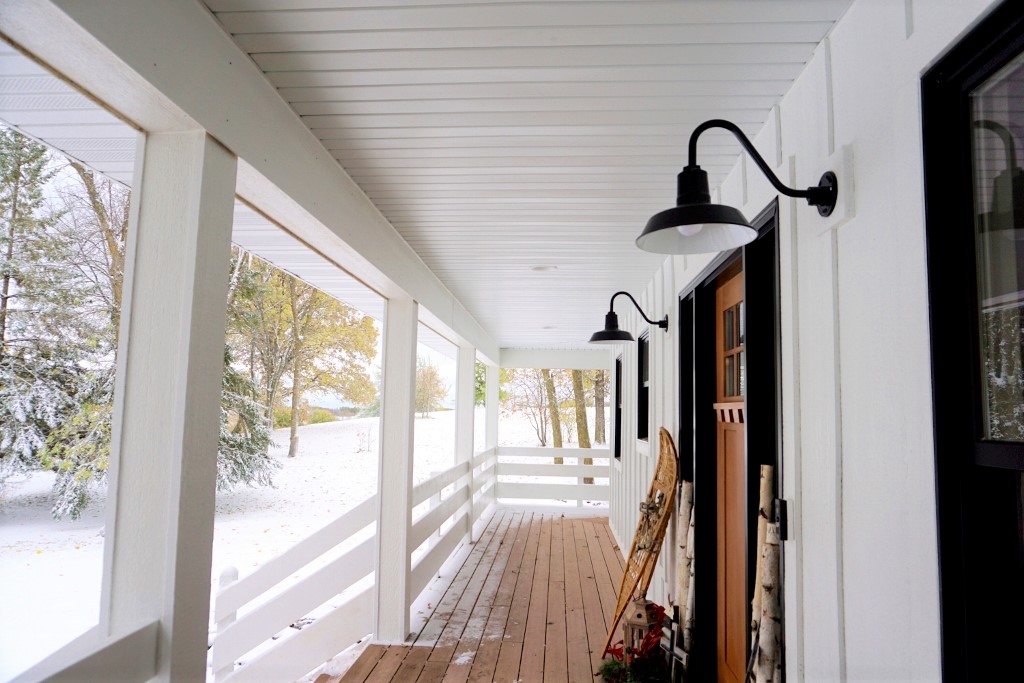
[{"x": 611, "y": 334}]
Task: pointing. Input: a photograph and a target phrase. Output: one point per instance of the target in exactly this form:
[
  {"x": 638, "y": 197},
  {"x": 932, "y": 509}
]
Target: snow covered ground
[{"x": 50, "y": 571}]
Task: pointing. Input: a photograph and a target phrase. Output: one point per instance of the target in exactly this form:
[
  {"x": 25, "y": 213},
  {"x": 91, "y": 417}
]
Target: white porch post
[
  {"x": 167, "y": 406},
  {"x": 491, "y": 403},
  {"x": 464, "y": 400},
  {"x": 394, "y": 486}
]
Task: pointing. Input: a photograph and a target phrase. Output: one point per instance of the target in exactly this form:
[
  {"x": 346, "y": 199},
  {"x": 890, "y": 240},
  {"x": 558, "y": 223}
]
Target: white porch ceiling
[
  {"x": 496, "y": 136},
  {"x": 501, "y": 136}
]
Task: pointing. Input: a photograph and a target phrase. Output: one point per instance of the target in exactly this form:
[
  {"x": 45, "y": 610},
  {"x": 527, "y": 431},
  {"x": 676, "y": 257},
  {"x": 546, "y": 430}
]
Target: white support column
[
  {"x": 491, "y": 403},
  {"x": 394, "y": 515},
  {"x": 167, "y": 405},
  {"x": 465, "y": 391}
]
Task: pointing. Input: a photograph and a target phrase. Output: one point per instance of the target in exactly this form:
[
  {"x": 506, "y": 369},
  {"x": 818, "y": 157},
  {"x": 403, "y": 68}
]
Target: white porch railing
[
  {"x": 250, "y": 612},
  {"x": 531, "y": 474},
  {"x": 283, "y": 604},
  {"x": 446, "y": 522}
]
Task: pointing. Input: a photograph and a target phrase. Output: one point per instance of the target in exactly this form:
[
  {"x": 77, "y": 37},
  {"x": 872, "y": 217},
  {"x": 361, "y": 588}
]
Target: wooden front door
[{"x": 731, "y": 450}]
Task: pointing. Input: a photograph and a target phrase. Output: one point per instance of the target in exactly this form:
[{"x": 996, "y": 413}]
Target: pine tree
[
  {"x": 243, "y": 455},
  {"x": 34, "y": 370}
]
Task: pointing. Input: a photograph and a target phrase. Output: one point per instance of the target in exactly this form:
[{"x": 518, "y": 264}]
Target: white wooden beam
[
  {"x": 167, "y": 400},
  {"x": 394, "y": 517},
  {"x": 598, "y": 359}
]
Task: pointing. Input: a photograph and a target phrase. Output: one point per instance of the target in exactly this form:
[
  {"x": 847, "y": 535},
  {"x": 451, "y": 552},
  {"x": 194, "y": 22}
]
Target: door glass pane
[
  {"x": 729, "y": 337},
  {"x": 742, "y": 375},
  {"x": 730, "y": 375},
  {"x": 742, "y": 323},
  {"x": 998, "y": 121}
]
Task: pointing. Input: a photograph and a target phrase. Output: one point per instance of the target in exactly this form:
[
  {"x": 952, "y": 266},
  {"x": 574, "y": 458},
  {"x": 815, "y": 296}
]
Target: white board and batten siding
[{"x": 861, "y": 581}]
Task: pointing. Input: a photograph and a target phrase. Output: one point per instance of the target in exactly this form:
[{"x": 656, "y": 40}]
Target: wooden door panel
[
  {"x": 732, "y": 483},
  {"x": 732, "y": 613}
]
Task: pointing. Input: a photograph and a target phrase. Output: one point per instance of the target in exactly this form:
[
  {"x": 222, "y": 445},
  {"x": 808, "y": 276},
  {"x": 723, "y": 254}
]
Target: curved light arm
[
  {"x": 663, "y": 324},
  {"x": 1005, "y": 135},
  {"x": 821, "y": 195}
]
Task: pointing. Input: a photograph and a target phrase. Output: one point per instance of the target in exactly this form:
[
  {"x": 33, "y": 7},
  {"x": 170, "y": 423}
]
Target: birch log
[
  {"x": 763, "y": 512},
  {"x": 682, "y": 533},
  {"x": 690, "y": 595},
  {"x": 769, "y": 646}
]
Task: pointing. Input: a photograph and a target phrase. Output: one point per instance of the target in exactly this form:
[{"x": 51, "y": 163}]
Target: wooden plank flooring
[{"x": 531, "y": 603}]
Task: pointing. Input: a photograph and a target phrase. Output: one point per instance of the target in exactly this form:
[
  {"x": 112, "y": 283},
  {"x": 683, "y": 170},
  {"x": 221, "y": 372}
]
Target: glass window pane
[
  {"x": 730, "y": 376},
  {"x": 998, "y": 121}
]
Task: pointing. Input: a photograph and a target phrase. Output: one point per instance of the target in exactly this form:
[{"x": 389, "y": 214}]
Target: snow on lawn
[{"x": 50, "y": 571}]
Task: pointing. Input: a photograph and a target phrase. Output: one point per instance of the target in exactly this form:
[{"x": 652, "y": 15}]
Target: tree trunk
[
  {"x": 114, "y": 237},
  {"x": 688, "y": 618},
  {"x": 682, "y": 535},
  {"x": 763, "y": 512},
  {"x": 556, "y": 423},
  {"x": 583, "y": 433},
  {"x": 5, "y": 292},
  {"x": 769, "y": 645},
  {"x": 580, "y": 399},
  {"x": 293, "y": 441},
  {"x": 599, "y": 393}
]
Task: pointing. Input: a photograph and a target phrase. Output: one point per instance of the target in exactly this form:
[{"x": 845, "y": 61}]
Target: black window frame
[
  {"x": 643, "y": 386},
  {"x": 973, "y": 476},
  {"x": 617, "y": 442}
]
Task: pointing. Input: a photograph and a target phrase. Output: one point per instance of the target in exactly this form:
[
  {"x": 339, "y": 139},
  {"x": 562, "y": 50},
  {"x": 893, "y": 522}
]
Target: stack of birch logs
[
  {"x": 765, "y": 665},
  {"x": 684, "y": 565}
]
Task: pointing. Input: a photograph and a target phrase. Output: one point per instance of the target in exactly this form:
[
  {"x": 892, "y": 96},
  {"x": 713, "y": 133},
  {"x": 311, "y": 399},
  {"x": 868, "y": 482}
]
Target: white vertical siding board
[
  {"x": 805, "y": 137},
  {"x": 791, "y": 455}
]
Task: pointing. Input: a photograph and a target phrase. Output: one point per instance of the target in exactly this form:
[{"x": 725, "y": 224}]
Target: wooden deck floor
[{"x": 531, "y": 603}]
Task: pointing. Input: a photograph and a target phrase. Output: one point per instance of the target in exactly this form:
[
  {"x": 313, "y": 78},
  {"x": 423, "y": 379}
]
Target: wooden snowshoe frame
[{"x": 655, "y": 512}]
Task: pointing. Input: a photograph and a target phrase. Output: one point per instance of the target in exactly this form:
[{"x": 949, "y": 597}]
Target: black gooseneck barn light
[
  {"x": 611, "y": 334},
  {"x": 1005, "y": 216},
  {"x": 696, "y": 226}
]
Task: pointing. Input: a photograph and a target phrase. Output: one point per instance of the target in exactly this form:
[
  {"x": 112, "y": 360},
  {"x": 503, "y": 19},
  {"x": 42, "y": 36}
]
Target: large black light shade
[{"x": 696, "y": 226}]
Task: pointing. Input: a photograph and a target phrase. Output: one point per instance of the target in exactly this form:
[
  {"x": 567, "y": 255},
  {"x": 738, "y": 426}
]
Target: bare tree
[
  {"x": 525, "y": 393},
  {"x": 556, "y": 422},
  {"x": 580, "y": 401},
  {"x": 600, "y": 387}
]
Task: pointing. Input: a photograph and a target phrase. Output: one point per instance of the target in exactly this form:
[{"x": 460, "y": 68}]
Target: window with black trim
[
  {"x": 643, "y": 385},
  {"x": 617, "y": 445},
  {"x": 973, "y": 122}
]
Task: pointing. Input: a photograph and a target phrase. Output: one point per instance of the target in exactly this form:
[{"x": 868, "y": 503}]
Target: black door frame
[{"x": 697, "y": 430}]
